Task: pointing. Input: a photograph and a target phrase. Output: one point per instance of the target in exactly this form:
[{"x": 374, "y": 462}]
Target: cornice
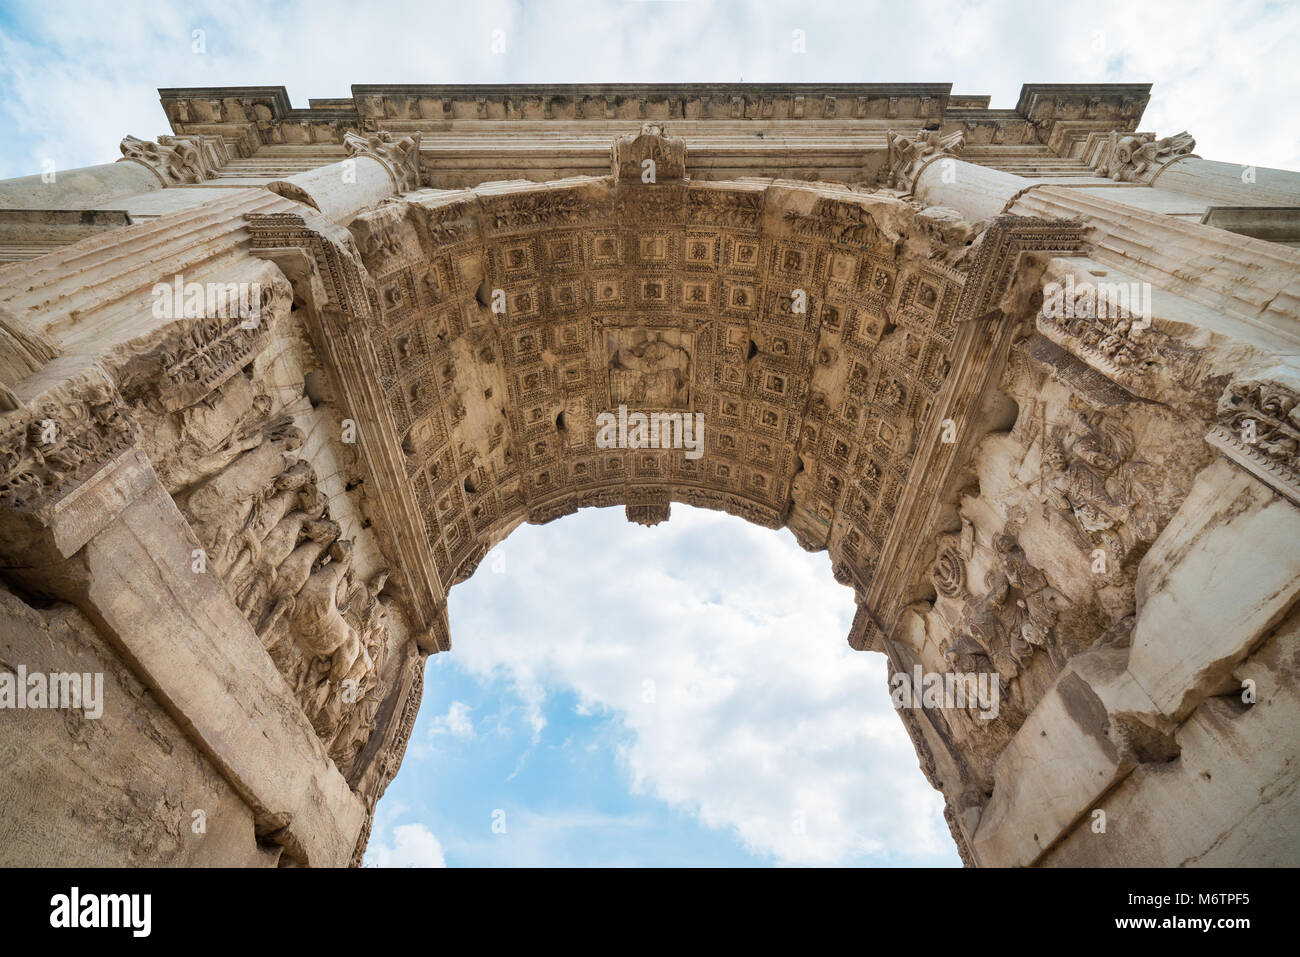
[{"x": 263, "y": 115}]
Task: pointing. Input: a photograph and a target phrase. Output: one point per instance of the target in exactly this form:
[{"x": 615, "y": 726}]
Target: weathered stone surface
[
  {"x": 1090, "y": 730},
  {"x": 120, "y": 788},
  {"x": 1223, "y": 574},
  {"x": 1232, "y": 796}
]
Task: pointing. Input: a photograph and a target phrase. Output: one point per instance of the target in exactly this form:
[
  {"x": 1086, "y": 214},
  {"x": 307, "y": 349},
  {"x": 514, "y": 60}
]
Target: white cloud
[
  {"x": 456, "y": 722},
  {"x": 721, "y": 648},
  {"x": 408, "y": 845}
]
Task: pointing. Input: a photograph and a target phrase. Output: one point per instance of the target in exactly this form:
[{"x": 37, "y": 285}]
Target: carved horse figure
[
  {"x": 290, "y": 577},
  {"x": 320, "y": 628}
]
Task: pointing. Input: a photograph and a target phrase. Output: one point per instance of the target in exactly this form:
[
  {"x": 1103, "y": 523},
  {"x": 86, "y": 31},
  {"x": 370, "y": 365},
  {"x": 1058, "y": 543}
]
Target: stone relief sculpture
[
  {"x": 194, "y": 460},
  {"x": 1137, "y": 156},
  {"x": 274, "y": 593},
  {"x": 649, "y": 371},
  {"x": 320, "y": 628},
  {"x": 273, "y": 526},
  {"x": 949, "y": 569},
  {"x": 284, "y": 563},
  {"x": 258, "y": 509},
  {"x": 1092, "y": 480},
  {"x": 668, "y": 155},
  {"x": 1011, "y": 619},
  {"x": 220, "y": 505}
]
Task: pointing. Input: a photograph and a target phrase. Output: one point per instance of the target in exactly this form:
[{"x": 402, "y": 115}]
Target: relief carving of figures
[
  {"x": 341, "y": 646},
  {"x": 293, "y": 577},
  {"x": 949, "y": 569},
  {"x": 835, "y": 221},
  {"x": 1014, "y": 616},
  {"x": 272, "y": 530},
  {"x": 649, "y": 371},
  {"x": 1091, "y": 480},
  {"x": 277, "y": 586},
  {"x": 318, "y": 625},
  {"x": 219, "y": 507},
  {"x": 1136, "y": 157},
  {"x": 212, "y": 435}
]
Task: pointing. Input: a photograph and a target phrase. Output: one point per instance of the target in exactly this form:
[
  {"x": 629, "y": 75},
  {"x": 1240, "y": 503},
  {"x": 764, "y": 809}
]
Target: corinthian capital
[
  {"x": 400, "y": 156},
  {"x": 1137, "y": 157},
  {"x": 909, "y": 154},
  {"x": 177, "y": 160}
]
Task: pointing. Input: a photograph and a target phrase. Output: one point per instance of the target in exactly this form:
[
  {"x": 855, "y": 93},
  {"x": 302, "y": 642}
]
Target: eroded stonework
[{"x": 955, "y": 379}]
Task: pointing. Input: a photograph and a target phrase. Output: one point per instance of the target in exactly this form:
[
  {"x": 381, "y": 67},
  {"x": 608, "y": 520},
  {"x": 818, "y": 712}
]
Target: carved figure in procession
[
  {"x": 1092, "y": 481},
  {"x": 289, "y": 577},
  {"x": 220, "y": 506},
  {"x": 318, "y": 625}
]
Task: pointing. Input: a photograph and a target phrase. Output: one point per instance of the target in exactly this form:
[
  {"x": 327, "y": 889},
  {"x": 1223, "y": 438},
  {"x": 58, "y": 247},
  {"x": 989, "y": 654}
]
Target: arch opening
[{"x": 691, "y": 688}]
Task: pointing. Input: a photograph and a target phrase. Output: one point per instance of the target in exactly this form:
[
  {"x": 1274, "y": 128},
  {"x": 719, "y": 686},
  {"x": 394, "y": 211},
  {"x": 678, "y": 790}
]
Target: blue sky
[{"x": 765, "y": 740}]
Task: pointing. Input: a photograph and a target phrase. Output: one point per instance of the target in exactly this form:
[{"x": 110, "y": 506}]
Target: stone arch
[
  {"x": 1049, "y": 539},
  {"x": 815, "y": 329},
  {"x": 827, "y": 336}
]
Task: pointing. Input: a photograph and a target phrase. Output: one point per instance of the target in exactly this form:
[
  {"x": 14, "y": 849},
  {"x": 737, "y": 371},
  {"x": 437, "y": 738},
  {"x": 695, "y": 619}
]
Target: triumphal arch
[{"x": 276, "y": 381}]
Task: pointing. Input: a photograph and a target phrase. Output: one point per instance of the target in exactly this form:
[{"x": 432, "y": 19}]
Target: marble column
[
  {"x": 1237, "y": 277},
  {"x": 379, "y": 165},
  {"x": 340, "y": 190},
  {"x": 1248, "y": 279}
]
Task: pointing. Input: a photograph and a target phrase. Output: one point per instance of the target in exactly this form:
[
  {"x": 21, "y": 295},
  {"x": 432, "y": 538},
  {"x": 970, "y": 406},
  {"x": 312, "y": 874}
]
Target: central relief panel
[{"x": 649, "y": 366}]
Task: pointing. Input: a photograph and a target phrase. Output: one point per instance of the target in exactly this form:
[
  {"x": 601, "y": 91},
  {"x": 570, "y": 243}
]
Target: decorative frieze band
[
  {"x": 1000, "y": 248},
  {"x": 343, "y": 303},
  {"x": 1258, "y": 427},
  {"x": 213, "y": 351},
  {"x": 47, "y": 452}
]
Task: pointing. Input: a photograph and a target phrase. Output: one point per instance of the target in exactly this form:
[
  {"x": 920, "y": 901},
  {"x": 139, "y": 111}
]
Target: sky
[
  {"x": 677, "y": 695},
  {"x": 616, "y": 695}
]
